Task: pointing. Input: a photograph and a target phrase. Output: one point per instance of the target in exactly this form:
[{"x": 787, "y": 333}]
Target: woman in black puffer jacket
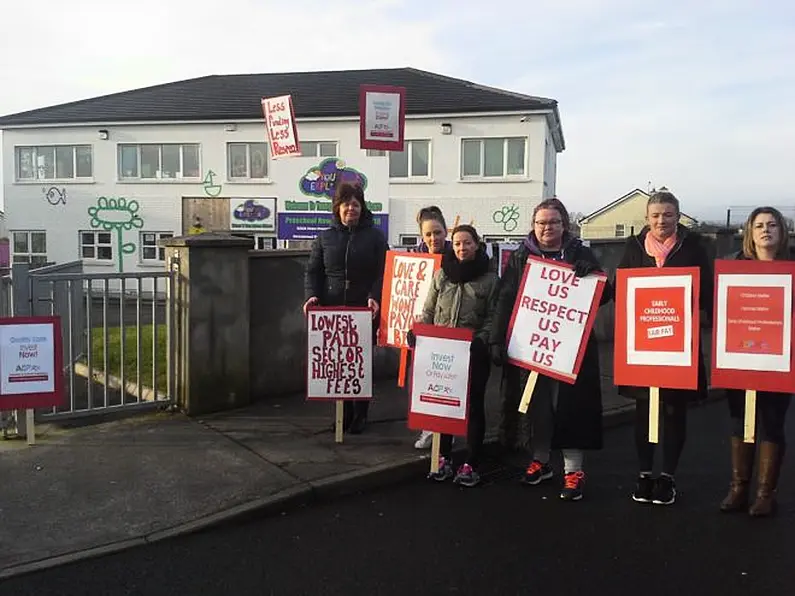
[{"x": 346, "y": 268}]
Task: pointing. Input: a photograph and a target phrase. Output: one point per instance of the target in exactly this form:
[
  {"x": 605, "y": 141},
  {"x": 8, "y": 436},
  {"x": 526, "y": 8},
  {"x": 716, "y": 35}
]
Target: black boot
[{"x": 359, "y": 422}]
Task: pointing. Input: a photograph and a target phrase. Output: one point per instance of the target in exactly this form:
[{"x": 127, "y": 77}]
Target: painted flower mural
[{"x": 117, "y": 215}]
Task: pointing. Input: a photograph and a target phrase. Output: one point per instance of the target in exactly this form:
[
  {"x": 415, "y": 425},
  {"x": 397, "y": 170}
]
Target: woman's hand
[
  {"x": 311, "y": 302},
  {"x": 373, "y": 305}
]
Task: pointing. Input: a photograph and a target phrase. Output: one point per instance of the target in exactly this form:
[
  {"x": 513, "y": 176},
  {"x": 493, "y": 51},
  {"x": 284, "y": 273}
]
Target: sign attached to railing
[{"x": 31, "y": 363}]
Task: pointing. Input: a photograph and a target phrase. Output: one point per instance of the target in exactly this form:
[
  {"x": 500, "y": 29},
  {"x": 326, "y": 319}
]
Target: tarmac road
[{"x": 499, "y": 538}]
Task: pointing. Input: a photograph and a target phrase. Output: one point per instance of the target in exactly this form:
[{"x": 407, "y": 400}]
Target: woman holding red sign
[
  {"x": 346, "y": 268},
  {"x": 563, "y": 416},
  {"x": 460, "y": 296},
  {"x": 433, "y": 240},
  {"x": 664, "y": 242},
  {"x": 765, "y": 238}
]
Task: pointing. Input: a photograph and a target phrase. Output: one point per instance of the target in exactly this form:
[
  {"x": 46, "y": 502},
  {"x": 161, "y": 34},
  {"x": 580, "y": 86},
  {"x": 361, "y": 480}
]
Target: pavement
[
  {"x": 421, "y": 537},
  {"x": 89, "y": 490}
]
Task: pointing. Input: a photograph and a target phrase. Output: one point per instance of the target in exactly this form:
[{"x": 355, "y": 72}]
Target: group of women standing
[{"x": 346, "y": 268}]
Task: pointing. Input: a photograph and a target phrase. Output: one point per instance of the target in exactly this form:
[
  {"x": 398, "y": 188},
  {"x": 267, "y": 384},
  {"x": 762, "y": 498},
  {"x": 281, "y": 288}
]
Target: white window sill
[
  {"x": 159, "y": 181},
  {"x": 98, "y": 263},
  {"x": 411, "y": 181},
  {"x": 152, "y": 264},
  {"x": 55, "y": 181},
  {"x": 495, "y": 179},
  {"x": 250, "y": 181}
]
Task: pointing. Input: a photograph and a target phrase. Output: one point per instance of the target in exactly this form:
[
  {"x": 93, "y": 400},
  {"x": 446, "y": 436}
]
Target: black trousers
[
  {"x": 354, "y": 409},
  {"x": 480, "y": 369},
  {"x": 674, "y": 432},
  {"x": 771, "y": 412}
]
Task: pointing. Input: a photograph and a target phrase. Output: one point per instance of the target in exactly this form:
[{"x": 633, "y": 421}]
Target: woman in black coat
[
  {"x": 663, "y": 242},
  {"x": 346, "y": 268},
  {"x": 563, "y": 416},
  {"x": 765, "y": 238}
]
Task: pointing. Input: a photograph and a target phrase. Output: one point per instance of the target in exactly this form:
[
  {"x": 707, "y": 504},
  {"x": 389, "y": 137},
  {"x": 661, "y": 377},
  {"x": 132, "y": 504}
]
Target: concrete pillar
[{"x": 211, "y": 321}]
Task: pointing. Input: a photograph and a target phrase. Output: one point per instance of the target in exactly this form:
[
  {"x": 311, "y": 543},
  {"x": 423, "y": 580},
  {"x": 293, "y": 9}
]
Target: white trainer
[{"x": 424, "y": 441}]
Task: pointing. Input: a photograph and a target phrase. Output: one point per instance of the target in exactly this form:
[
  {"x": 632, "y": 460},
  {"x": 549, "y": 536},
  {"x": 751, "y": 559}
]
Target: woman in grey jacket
[{"x": 462, "y": 291}]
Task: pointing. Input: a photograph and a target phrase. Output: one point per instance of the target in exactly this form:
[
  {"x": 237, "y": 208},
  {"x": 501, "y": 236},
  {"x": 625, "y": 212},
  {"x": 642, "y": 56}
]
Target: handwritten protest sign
[
  {"x": 407, "y": 281},
  {"x": 31, "y": 361},
  {"x": 656, "y": 332},
  {"x": 551, "y": 321},
  {"x": 382, "y": 117},
  {"x": 753, "y": 331},
  {"x": 280, "y": 122}
]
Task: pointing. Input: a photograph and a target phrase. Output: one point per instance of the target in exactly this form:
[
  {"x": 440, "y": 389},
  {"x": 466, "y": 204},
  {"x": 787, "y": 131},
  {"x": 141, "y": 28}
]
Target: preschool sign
[{"x": 306, "y": 188}]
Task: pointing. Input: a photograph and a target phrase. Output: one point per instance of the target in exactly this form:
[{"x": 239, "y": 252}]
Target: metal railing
[{"x": 118, "y": 340}]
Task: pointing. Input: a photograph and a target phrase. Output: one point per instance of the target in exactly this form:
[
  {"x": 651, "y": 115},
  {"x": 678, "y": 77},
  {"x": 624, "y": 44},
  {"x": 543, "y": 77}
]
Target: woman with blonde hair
[{"x": 765, "y": 238}]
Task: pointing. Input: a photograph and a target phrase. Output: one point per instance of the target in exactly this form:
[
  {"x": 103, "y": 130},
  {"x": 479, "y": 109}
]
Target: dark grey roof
[{"x": 315, "y": 94}]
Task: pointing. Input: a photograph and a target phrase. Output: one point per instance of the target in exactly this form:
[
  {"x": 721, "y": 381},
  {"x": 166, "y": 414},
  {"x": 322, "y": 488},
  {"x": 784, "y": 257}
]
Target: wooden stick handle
[
  {"x": 527, "y": 395},
  {"x": 654, "y": 414},
  {"x": 340, "y": 410},
  {"x": 749, "y": 426},
  {"x": 436, "y": 446},
  {"x": 30, "y": 426}
]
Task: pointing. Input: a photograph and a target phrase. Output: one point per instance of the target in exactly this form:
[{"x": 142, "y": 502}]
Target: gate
[{"x": 119, "y": 344}]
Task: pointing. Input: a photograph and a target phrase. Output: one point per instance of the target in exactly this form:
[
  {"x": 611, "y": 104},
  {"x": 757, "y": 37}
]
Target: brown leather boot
[
  {"x": 770, "y": 457},
  {"x": 742, "y": 464}
]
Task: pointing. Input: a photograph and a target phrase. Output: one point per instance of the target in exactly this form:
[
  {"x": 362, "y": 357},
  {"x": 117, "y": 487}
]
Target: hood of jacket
[{"x": 568, "y": 245}]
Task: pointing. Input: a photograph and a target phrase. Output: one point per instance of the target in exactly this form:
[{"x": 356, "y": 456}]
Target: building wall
[
  {"x": 63, "y": 208},
  {"x": 621, "y": 220}
]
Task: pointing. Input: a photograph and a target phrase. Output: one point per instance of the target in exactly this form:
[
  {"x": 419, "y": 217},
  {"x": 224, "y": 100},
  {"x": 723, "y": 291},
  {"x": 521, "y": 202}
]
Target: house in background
[
  {"x": 105, "y": 179},
  {"x": 622, "y": 218}
]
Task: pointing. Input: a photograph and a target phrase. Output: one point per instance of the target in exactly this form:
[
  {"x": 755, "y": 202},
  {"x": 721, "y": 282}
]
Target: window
[
  {"x": 375, "y": 153},
  {"x": 96, "y": 246},
  {"x": 412, "y": 162},
  {"x": 54, "y": 162},
  {"x": 319, "y": 148},
  {"x": 264, "y": 242},
  {"x": 492, "y": 158},
  {"x": 159, "y": 162},
  {"x": 29, "y": 247},
  {"x": 619, "y": 230},
  {"x": 247, "y": 161},
  {"x": 151, "y": 251},
  {"x": 409, "y": 240}
]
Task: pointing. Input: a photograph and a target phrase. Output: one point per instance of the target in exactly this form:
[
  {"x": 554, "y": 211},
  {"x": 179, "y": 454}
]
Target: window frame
[
  {"x": 376, "y": 153},
  {"x": 409, "y": 240},
  {"x": 505, "y": 176},
  {"x": 623, "y": 232},
  {"x": 55, "y": 179},
  {"x": 138, "y": 178},
  {"x": 29, "y": 254},
  {"x": 317, "y": 144},
  {"x": 410, "y": 177},
  {"x": 247, "y": 178},
  {"x": 96, "y": 259},
  {"x": 160, "y": 252}
]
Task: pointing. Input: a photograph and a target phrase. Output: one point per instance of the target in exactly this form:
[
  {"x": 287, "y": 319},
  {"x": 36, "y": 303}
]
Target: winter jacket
[
  {"x": 461, "y": 294},
  {"x": 346, "y": 265},
  {"x": 689, "y": 251},
  {"x": 578, "y": 414}
]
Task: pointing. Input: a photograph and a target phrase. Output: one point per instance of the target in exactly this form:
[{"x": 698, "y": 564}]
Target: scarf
[
  {"x": 659, "y": 250},
  {"x": 464, "y": 271}
]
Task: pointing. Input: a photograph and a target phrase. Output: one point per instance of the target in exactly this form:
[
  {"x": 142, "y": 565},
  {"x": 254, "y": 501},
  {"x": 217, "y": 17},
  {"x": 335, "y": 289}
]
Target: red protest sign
[
  {"x": 440, "y": 380},
  {"x": 656, "y": 329},
  {"x": 407, "y": 281},
  {"x": 504, "y": 252},
  {"x": 339, "y": 353},
  {"x": 382, "y": 117},
  {"x": 280, "y": 123},
  {"x": 753, "y": 330},
  {"x": 552, "y": 319},
  {"x": 31, "y": 363}
]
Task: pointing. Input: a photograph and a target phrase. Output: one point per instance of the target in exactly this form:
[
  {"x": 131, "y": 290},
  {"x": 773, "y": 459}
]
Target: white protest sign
[
  {"x": 27, "y": 359},
  {"x": 340, "y": 353},
  {"x": 280, "y": 122}
]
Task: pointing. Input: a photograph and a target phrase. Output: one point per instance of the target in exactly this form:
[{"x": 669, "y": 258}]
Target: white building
[{"x": 104, "y": 179}]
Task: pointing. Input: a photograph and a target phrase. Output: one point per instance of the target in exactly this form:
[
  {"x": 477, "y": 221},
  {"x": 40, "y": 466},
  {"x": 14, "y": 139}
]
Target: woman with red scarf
[{"x": 664, "y": 242}]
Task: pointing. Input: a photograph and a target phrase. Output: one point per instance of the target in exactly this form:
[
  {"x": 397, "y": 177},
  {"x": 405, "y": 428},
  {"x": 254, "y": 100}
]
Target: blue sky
[{"x": 696, "y": 96}]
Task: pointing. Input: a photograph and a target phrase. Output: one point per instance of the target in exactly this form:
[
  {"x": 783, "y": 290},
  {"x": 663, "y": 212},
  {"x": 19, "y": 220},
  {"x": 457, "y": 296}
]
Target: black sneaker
[
  {"x": 664, "y": 491},
  {"x": 572, "y": 486},
  {"x": 537, "y": 472},
  {"x": 644, "y": 490}
]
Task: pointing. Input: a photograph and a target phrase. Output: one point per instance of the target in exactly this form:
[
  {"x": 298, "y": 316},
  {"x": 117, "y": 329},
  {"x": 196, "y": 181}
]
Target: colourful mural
[{"x": 117, "y": 215}]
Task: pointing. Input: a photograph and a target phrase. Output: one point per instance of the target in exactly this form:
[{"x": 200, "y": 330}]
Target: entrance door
[{"x": 212, "y": 213}]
